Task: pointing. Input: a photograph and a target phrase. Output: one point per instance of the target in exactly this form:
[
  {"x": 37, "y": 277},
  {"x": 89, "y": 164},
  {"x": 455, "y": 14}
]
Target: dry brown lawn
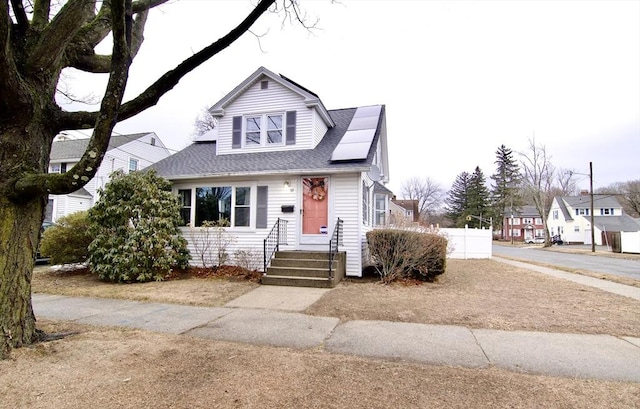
[
  {"x": 115, "y": 368},
  {"x": 121, "y": 368},
  {"x": 487, "y": 294}
]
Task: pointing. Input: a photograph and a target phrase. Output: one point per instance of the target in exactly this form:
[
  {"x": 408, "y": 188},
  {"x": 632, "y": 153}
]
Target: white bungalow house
[
  {"x": 280, "y": 162},
  {"x": 570, "y": 217},
  {"x": 126, "y": 152}
]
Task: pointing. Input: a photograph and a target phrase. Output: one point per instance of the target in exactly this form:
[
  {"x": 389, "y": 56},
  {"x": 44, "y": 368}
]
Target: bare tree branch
[
  {"x": 148, "y": 98},
  {"x": 95, "y": 63},
  {"x": 41, "y": 10},
  {"x": 10, "y": 84},
  {"x": 20, "y": 14},
  {"x": 57, "y": 34},
  {"x": 204, "y": 122},
  {"x": 86, "y": 168}
]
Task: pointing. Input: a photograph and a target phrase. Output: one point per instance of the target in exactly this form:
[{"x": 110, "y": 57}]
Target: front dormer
[{"x": 269, "y": 112}]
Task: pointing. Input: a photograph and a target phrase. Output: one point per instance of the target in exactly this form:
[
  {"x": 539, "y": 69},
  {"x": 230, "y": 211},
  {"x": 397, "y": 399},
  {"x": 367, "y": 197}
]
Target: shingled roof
[
  {"x": 617, "y": 223},
  {"x": 75, "y": 148},
  {"x": 200, "y": 160}
]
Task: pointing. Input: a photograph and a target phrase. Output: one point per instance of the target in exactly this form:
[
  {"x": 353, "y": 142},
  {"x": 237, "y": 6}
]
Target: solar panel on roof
[
  {"x": 364, "y": 122},
  {"x": 361, "y": 135},
  {"x": 373, "y": 110},
  {"x": 351, "y": 151},
  {"x": 356, "y": 142}
]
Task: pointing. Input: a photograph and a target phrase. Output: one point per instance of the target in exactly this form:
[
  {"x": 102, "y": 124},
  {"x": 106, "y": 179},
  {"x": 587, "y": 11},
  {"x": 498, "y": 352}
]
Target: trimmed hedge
[{"x": 407, "y": 254}]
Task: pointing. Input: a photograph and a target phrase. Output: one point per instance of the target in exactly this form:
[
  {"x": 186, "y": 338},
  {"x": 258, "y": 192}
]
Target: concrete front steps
[{"x": 305, "y": 269}]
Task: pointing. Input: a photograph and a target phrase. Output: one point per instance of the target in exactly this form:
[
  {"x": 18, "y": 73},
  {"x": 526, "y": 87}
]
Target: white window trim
[{"x": 264, "y": 125}]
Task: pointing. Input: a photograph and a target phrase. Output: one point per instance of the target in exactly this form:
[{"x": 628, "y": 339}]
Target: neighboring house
[
  {"x": 126, "y": 152},
  {"x": 407, "y": 209},
  {"x": 570, "y": 216},
  {"x": 523, "y": 224},
  {"x": 279, "y": 155}
]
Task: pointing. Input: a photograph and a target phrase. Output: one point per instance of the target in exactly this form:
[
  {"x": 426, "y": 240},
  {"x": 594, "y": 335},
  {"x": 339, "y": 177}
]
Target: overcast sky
[{"x": 458, "y": 78}]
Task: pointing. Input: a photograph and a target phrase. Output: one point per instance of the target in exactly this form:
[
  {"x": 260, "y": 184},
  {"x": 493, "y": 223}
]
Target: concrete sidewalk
[{"x": 567, "y": 355}]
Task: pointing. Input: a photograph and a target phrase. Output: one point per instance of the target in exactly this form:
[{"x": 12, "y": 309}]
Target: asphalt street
[{"x": 599, "y": 264}]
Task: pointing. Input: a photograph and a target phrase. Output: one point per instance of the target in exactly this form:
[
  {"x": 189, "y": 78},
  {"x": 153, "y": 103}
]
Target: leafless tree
[
  {"x": 427, "y": 192},
  {"x": 627, "y": 193},
  {"x": 566, "y": 182},
  {"x": 537, "y": 179},
  {"x": 38, "y": 40},
  {"x": 204, "y": 122}
]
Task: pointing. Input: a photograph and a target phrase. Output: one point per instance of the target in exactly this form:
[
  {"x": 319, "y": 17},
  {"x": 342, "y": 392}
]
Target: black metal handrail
[
  {"x": 333, "y": 245},
  {"x": 277, "y": 236}
]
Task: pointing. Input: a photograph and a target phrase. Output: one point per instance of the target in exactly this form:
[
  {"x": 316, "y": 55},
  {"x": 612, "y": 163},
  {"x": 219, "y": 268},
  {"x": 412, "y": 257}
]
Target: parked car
[
  {"x": 39, "y": 258},
  {"x": 556, "y": 239},
  {"x": 536, "y": 240}
]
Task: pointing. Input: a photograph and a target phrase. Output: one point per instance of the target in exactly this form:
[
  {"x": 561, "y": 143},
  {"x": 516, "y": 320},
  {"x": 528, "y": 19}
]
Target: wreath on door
[{"x": 317, "y": 189}]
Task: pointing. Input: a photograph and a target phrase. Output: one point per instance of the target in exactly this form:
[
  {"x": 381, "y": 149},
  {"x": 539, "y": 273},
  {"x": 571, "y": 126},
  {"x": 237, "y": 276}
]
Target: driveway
[{"x": 598, "y": 264}]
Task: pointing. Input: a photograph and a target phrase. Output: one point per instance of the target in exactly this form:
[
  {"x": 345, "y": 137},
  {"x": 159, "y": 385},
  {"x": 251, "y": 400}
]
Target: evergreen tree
[
  {"x": 478, "y": 203},
  {"x": 505, "y": 191},
  {"x": 457, "y": 200}
]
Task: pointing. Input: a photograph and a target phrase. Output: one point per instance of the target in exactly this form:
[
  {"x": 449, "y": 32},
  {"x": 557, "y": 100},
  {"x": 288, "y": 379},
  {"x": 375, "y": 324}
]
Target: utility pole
[{"x": 593, "y": 227}]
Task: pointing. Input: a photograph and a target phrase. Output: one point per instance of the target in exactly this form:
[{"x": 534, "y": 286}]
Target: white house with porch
[{"x": 281, "y": 162}]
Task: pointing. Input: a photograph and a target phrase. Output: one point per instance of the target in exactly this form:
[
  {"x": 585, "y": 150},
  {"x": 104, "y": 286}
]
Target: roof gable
[{"x": 311, "y": 100}]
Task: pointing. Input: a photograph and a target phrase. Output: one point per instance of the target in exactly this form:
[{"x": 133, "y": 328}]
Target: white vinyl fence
[
  {"x": 468, "y": 243},
  {"x": 630, "y": 242}
]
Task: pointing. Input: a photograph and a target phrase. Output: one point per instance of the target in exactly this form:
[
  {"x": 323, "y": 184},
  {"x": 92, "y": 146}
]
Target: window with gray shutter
[
  {"x": 236, "y": 138},
  {"x": 291, "y": 127},
  {"x": 261, "y": 211}
]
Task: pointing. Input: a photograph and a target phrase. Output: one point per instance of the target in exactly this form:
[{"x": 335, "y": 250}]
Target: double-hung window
[
  {"x": 242, "y": 210},
  {"x": 184, "y": 197},
  {"x": 263, "y": 130},
  {"x": 380, "y": 210},
  {"x": 133, "y": 164}
]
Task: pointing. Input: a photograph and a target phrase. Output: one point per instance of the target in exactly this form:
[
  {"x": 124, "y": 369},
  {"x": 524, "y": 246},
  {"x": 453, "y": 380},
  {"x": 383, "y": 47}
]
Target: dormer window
[{"x": 263, "y": 130}]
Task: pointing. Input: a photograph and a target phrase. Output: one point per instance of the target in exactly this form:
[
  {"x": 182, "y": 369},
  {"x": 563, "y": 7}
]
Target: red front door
[{"x": 315, "y": 205}]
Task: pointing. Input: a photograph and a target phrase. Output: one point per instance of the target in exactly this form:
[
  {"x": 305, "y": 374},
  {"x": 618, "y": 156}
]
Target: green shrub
[
  {"x": 68, "y": 240},
  {"x": 402, "y": 254},
  {"x": 136, "y": 229}
]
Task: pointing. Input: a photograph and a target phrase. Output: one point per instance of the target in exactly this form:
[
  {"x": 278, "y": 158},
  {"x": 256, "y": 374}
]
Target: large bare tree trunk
[
  {"x": 19, "y": 229},
  {"x": 21, "y": 219}
]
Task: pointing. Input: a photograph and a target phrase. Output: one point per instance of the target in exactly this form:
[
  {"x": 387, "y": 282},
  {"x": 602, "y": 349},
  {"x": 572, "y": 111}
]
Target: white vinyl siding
[
  {"x": 243, "y": 238},
  {"x": 319, "y": 128},
  {"x": 275, "y": 99},
  {"x": 64, "y": 205},
  {"x": 346, "y": 199}
]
